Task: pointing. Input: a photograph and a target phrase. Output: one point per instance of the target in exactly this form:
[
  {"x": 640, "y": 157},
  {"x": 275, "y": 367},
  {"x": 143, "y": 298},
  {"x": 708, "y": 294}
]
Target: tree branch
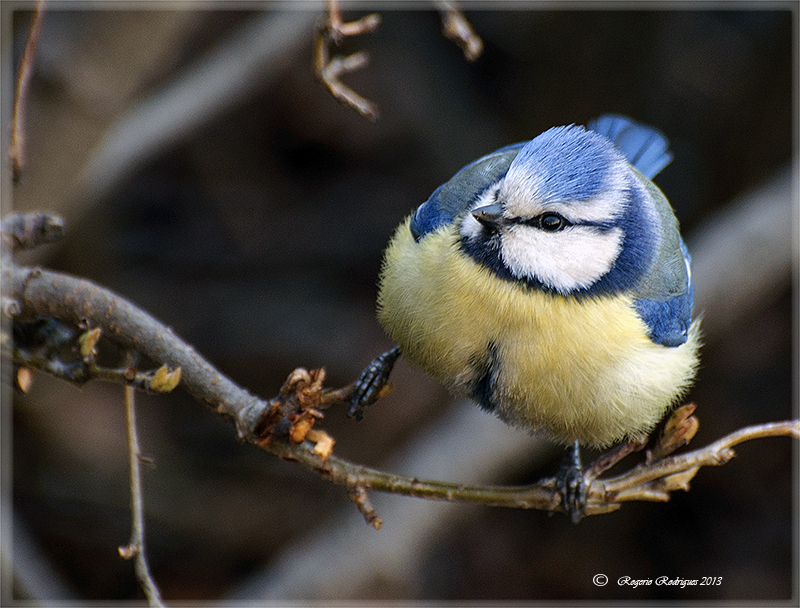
[
  {"x": 283, "y": 425},
  {"x": 44, "y": 293}
]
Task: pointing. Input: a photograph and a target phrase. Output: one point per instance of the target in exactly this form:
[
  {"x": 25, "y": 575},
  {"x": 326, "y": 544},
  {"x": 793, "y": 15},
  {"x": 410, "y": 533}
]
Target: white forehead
[
  {"x": 568, "y": 170},
  {"x": 526, "y": 192}
]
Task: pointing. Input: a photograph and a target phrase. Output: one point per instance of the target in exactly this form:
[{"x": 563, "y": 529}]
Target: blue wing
[
  {"x": 645, "y": 147},
  {"x": 668, "y": 321}
]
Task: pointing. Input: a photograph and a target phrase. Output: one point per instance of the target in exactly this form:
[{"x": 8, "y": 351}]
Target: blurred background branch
[{"x": 17, "y": 145}]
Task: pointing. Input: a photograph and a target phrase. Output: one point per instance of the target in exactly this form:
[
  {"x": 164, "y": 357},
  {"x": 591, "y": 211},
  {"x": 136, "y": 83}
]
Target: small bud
[
  {"x": 679, "y": 481},
  {"x": 385, "y": 390},
  {"x": 678, "y": 431},
  {"x": 323, "y": 443},
  {"x": 298, "y": 432},
  {"x": 681, "y": 427},
  {"x": 24, "y": 379},
  {"x": 88, "y": 341},
  {"x": 164, "y": 380},
  {"x": 10, "y": 307},
  {"x": 299, "y": 375},
  {"x": 127, "y": 551}
]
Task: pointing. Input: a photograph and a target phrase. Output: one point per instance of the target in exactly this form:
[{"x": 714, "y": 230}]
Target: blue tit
[{"x": 548, "y": 281}]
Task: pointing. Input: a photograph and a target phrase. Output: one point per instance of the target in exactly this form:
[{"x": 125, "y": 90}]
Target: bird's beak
[{"x": 490, "y": 215}]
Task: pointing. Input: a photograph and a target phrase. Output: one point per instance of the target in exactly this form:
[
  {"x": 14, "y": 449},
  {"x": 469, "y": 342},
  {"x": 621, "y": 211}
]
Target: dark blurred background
[{"x": 205, "y": 175}]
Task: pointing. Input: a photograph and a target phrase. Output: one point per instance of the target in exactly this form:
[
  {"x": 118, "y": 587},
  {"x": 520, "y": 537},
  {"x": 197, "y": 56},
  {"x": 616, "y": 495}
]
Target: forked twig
[
  {"x": 655, "y": 480},
  {"x": 329, "y": 68}
]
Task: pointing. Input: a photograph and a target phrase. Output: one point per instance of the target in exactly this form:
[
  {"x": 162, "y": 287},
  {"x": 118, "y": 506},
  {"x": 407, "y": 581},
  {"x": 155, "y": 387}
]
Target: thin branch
[
  {"x": 136, "y": 548},
  {"x": 341, "y": 472},
  {"x": 329, "y": 68},
  {"x": 283, "y": 425},
  {"x": 456, "y": 27},
  {"x": 161, "y": 380},
  {"x": 646, "y": 482},
  {"x": 655, "y": 480},
  {"x": 17, "y": 147}
]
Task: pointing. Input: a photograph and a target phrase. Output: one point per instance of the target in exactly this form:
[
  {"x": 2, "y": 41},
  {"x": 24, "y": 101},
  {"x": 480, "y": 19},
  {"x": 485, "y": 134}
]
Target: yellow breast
[{"x": 572, "y": 369}]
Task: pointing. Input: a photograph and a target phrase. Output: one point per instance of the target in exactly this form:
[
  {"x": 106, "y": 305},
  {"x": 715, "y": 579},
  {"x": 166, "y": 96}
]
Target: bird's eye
[{"x": 552, "y": 222}]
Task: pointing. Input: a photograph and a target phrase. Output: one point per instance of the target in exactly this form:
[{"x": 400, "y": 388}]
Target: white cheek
[
  {"x": 571, "y": 259},
  {"x": 470, "y": 227}
]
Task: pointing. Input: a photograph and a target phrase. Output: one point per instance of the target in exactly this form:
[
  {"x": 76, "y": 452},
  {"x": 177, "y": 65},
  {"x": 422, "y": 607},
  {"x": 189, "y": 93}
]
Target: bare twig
[
  {"x": 136, "y": 549},
  {"x": 654, "y": 481},
  {"x": 160, "y": 380},
  {"x": 17, "y": 147},
  {"x": 283, "y": 426},
  {"x": 358, "y": 494},
  {"x": 456, "y": 27},
  {"x": 646, "y": 482},
  {"x": 330, "y": 68}
]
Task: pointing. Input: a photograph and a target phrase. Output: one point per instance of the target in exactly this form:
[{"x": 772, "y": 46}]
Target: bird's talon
[
  {"x": 572, "y": 485},
  {"x": 369, "y": 386}
]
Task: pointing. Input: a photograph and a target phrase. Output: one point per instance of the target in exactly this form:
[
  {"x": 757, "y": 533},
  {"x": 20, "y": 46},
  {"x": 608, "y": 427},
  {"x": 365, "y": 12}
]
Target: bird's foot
[
  {"x": 571, "y": 484},
  {"x": 371, "y": 382}
]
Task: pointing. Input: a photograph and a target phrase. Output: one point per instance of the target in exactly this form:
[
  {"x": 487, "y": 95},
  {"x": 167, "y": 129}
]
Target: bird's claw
[
  {"x": 572, "y": 485},
  {"x": 369, "y": 384}
]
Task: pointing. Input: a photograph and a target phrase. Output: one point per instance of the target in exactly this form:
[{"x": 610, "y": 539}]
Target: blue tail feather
[{"x": 646, "y": 148}]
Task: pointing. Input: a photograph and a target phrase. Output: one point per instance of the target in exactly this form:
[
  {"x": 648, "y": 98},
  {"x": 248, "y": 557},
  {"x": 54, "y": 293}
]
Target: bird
[{"x": 548, "y": 282}]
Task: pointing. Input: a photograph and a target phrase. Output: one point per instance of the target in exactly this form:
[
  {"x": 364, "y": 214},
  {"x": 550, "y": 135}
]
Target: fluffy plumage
[{"x": 548, "y": 281}]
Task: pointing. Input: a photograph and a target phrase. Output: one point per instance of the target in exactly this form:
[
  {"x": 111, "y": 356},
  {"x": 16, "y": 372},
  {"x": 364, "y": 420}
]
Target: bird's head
[{"x": 570, "y": 216}]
